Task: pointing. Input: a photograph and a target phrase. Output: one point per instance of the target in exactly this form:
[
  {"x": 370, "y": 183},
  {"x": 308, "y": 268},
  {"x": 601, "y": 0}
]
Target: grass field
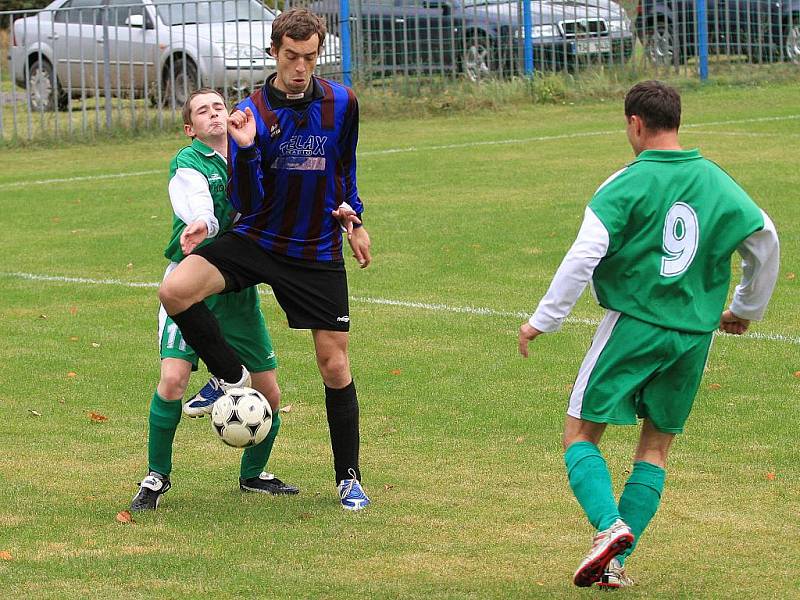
[{"x": 461, "y": 455}]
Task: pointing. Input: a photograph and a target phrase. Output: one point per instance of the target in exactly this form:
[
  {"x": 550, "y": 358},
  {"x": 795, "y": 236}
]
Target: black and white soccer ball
[{"x": 242, "y": 417}]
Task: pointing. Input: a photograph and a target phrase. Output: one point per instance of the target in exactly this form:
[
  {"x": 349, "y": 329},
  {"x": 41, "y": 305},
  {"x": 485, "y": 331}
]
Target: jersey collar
[
  {"x": 668, "y": 155},
  {"x": 205, "y": 150}
]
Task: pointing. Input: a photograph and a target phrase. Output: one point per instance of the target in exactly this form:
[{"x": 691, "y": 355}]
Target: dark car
[
  {"x": 763, "y": 30},
  {"x": 480, "y": 38}
]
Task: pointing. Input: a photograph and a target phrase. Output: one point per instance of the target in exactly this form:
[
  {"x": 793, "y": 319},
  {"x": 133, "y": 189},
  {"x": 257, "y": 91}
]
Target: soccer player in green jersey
[
  {"x": 197, "y": 192},
  {"x": 656, "y": 241}
]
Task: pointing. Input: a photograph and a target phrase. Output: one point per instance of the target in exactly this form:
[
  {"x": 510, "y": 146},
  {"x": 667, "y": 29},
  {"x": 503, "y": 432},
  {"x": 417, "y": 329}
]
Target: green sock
[
  {"x": 254, "y": 459},
  {"x": 591, "y": 483},
  {"x": 164, "y": 418},
  {"x": 640, "y": 498}
]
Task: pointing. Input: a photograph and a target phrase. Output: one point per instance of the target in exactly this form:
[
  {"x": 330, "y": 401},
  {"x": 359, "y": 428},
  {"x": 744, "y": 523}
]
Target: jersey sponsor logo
[
  {"x": 214, "y": 177},
  {"x": 274, "y": 130},
  {"x": 344, "y": 319},
  {"x": 304, "y": 145},
  {"x": 299, "y": 163}
]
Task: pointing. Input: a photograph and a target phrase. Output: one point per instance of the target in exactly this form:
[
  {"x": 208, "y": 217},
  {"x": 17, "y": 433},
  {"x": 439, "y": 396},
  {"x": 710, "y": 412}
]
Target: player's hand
[
  {"x": 242, "y": 127},
  {"x": 192, "y": 235},
  {"x": 526, "y": 334},
  {"x": 730, "y": 323},
  {"x": 359, "y": 243},
  {"x": 347, "y": 217}
]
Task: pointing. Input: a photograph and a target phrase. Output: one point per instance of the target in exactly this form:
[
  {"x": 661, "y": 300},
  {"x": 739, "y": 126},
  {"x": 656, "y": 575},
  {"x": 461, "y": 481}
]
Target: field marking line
[
  {"x": 16, "y": 184},
  {"x": 744, "y": 133},
  {"x": 432, "y": 307},
  {"x": 389, "y": 151}
]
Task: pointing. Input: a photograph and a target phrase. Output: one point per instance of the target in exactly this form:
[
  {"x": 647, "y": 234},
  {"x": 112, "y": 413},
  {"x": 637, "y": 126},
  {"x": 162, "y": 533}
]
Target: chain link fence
[{"x": 81, "y": 66}]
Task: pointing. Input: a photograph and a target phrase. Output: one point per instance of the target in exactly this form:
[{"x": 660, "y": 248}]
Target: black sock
[
  {"x": 342, "y": 408},
  {"x": 201, "y": 331}
]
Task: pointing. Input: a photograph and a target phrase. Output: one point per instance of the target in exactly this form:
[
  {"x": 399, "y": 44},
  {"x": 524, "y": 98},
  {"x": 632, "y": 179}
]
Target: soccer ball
[{"x": 242, "y": 417}]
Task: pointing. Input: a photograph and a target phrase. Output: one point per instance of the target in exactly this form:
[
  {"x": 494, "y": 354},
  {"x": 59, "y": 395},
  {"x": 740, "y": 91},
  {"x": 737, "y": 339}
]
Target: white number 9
[{"x": 681, "y": 234}]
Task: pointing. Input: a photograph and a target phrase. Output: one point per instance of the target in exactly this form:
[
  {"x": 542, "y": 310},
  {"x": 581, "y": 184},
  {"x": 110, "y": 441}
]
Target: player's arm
[
  {"x": 760, "y": 254},
  {"x": 357, "y": 237},
  {"x": 571, "y": 278},
  {"x": 245, "y": 190},
  {"x": 192, "y": 203}
]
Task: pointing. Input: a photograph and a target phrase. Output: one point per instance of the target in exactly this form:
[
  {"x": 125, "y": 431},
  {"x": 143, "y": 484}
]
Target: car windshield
[
  {"x": 485, "y": 2},
  {"x": 183, "y": 12}
]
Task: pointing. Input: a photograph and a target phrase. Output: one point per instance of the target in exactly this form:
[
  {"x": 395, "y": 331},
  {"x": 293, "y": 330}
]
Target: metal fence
[{"x": 86, "y": 65}]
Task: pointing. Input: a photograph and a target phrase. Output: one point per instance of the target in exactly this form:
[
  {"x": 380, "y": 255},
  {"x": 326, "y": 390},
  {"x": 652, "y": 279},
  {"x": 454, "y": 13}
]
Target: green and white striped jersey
[
  {"x": 657, "y": 240},
  {"x": 198, "y": 179}
]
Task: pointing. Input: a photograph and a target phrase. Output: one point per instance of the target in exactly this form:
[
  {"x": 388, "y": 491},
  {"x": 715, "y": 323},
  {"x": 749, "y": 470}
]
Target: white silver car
[{"x": 161, "y": 49}]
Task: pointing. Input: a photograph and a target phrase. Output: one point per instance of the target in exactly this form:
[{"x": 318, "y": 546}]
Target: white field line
[
  {"x": 527, "y": 140},
  {"x": 432, "y": 307}
]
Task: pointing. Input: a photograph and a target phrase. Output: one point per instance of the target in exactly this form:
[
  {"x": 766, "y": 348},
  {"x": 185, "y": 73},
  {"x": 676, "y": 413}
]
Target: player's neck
[
  {"x": 667, "y": 140},
  {"x": 218, "y": 143}
]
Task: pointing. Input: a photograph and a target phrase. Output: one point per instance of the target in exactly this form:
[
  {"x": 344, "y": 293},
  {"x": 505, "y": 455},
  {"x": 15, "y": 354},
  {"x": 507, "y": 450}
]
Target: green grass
[{"x": 460, "y": 436}]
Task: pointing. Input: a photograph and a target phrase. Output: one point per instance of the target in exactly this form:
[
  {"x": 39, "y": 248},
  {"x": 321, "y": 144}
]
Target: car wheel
[
  {"x": 476, "y": 60},
  {"x": 44, "y": 93},
  {"x": 181, "y": 80},
  {"x": 792, "y": 40},
  {"x": 660, "y": 46}
]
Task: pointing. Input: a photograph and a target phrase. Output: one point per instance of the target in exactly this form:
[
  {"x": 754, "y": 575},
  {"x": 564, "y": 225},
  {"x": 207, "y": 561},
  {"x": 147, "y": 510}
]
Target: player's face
[
  {"x": 296, "y": 62},
  {"x": 209, "y": 117}
]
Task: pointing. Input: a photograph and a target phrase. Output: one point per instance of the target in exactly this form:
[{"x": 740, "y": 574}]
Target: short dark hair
[
  {"x": 655, "y": 103},
  {"x": 187, "y": 106},
  {"x": 299, "y": 24}
]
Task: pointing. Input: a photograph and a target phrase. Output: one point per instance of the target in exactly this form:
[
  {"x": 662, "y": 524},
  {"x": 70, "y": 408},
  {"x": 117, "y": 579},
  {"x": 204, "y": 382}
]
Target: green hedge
[{"x": 23, "y": 4}]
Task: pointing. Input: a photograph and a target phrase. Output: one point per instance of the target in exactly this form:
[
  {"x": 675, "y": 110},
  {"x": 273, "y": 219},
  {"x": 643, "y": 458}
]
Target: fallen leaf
[
  {"x": 714, "y": 386},
  {"x": 129, "y": 266},
  {"x": 520, "y": 439},
  {"x": 73, "y": 338},
  {"x": 305, "y": 516},
  {"x": 153, "y": 216},
  {"x": 97, "y": 417},
  {"x": 72, "y": 374},
  {"x": 388, "y": 486},
  {"x": 395, "y": 371},
  {"x": 35, "y": 413},
  {"x": 73, "y": 310},
  {"x": 771, "y": 476},
  {"x": 95, "y": 345},
  {"x": 791, "y": 276},
  {"x": 124, "y": 516},
  {"x": 42, "y": 316},
  {"x": 797, "y": 374},
  {"x": 5, "y": 555},
  {"x": 285, "y": 409}
]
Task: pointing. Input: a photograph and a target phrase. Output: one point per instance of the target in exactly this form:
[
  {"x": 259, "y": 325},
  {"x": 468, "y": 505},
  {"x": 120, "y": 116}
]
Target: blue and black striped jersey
[{"x": 301, "y": 167}]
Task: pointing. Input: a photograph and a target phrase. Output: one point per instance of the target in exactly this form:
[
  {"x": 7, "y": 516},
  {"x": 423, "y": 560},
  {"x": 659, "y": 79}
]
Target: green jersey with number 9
[{"x": 673, "y": 219}]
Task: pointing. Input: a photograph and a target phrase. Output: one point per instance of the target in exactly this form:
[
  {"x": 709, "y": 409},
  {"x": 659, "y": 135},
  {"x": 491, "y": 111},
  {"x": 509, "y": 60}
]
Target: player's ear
[{"x": 188, "y": 130}]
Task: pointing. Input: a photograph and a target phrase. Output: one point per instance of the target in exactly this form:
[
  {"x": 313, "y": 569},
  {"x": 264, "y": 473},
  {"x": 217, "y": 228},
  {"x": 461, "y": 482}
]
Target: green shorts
[
  {"x": 635, "y": 369},
  {"x": 242, "y": 324}
]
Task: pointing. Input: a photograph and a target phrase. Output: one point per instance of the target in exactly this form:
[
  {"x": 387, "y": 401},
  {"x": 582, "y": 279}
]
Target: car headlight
[
  {"x": 239, "y": 52},
  {"x": 537, "y": 31}
]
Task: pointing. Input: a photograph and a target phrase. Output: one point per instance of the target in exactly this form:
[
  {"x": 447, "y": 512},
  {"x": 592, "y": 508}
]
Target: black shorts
[{"x": 312, "y": 294}]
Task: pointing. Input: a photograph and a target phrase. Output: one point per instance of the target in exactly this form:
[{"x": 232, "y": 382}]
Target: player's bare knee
[
  {"x": 335, "y": 371},
  {"x": 172, "y": 386}
]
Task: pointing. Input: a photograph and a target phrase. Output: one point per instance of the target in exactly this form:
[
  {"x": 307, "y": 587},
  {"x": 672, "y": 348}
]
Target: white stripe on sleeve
[
  {"x": 760, "y": 263},
  {"x": 191, "y": 200},
  {"x": 571, "y": 278}
]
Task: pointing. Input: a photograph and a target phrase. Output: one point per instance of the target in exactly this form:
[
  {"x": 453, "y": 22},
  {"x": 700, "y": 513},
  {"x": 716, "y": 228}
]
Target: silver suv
[{"x": 161, "y": 49}]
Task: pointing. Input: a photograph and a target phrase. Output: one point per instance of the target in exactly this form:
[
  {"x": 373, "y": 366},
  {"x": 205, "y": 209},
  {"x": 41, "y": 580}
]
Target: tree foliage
[{"x": 23, "y": 4}]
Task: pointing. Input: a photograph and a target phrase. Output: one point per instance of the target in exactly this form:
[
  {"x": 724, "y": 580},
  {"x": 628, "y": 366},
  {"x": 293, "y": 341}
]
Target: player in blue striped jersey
[{"x": 292, "y": 149}]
